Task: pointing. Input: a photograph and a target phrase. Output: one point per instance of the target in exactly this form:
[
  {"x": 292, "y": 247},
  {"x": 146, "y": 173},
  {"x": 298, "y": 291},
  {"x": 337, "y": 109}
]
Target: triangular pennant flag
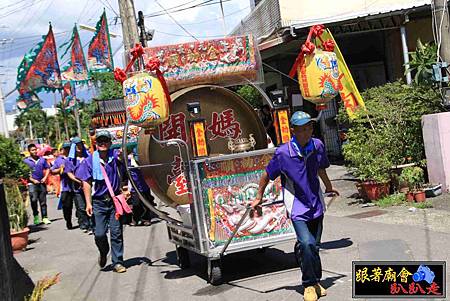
[
  {"x": 77, "y": 71},
  {"x": 39, "y": 69},
  {"x": 99, "y": 56},
  {"x": 69, "y": 101},
  {"x": 27, "y": 100}
]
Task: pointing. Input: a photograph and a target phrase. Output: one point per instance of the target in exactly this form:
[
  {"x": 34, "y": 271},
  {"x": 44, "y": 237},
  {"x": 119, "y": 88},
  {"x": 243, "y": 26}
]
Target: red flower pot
[
  {"x": 420, "y": 196},
  {"x": 19, "y": 240},
  {"x": 375, "y": 190},
  {"x": 409, "y": 196}
]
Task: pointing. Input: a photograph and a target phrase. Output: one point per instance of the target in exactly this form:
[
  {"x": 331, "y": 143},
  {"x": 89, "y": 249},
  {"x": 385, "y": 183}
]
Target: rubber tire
[
  {"x": 215, "y": 272},
  {"x": 183, "y": 257},
  {"x": 261, "y": 250}
]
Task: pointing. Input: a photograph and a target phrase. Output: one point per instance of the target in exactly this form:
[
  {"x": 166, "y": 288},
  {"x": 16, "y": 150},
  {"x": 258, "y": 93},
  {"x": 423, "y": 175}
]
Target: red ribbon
[
  {"x": 152, "y": 65},
  {"x": 308, "y": 47},
  {"x": 328, "y": 45}
]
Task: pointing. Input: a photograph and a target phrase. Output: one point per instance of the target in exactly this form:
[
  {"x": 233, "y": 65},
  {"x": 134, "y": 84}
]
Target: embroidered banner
[
  {"x": 99, "y": 56},
  {"x": 77, "y": 70},
  {"x": 39, "y": 69},
  {"x": 227, "y": 61}
]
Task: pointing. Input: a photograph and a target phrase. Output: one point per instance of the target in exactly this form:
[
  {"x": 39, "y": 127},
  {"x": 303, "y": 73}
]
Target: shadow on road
[
  {"x": 23, "y": 285},
  {"x": 336, "y": 244},
  {"x": 130, "y": 262},
  {"x": 248, "y": 264}
]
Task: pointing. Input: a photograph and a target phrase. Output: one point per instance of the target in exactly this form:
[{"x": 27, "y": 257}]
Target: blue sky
[{"x": 23, "y": 22}]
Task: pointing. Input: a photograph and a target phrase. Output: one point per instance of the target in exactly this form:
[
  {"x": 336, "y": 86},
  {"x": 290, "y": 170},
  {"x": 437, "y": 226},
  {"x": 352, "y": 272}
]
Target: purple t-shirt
[
  {"x": 65, "y": 180},
  {"x": 84, "y": 173},
  {"x": 37, "y": 167},
  {"x": 71, "y": 167},
  {"x": 138, "y": 179},
  {"x": 300, "y": 180}
]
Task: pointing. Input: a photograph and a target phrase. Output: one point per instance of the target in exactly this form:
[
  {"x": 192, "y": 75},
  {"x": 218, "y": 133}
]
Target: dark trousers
[
  {"x": 309, "y": 234},
  {"x": 67, "y": 205},
  {"x": 141, "y": 212},
  {"x": 38, "y": 194},
  {"x": 84, "y": 221},
  {"x": 104, "y": 213}
]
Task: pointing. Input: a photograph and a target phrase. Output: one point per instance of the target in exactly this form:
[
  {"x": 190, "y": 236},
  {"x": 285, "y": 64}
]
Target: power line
[
  {"x": 173, "y": 7},
  {"x": 27, "y": 5},
  {"x": 174, "y": 20},
  {"x": 203, "y": 21},
  {"x": 206, "y": 3}
]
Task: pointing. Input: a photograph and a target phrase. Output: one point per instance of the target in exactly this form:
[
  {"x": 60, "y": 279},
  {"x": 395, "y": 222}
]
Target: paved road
[{"x": 153, "y": 274}]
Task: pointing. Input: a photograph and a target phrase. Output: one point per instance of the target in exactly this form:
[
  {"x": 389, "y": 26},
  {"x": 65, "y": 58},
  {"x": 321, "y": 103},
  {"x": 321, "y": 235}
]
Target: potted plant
[
  {"x": 414, "y": 177},
  {"x": 18, "y": 217},
  {"x": 368, "y": 162}
]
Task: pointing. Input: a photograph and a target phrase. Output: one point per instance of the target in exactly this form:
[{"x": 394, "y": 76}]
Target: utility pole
[
  {"x": 31, "y": 129},
  {"x": 129, "y": 25},
  {"x": 441, "y": 10},
  {"x": 3, "y": 123},
  {"x": 75, "y": 111},
  {"x": 58, "y": 129}
]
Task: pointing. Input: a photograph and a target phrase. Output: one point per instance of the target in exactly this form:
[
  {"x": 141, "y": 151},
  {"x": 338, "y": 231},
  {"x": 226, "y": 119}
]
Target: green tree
[
  {"x": 251, "y": 95},
  {"x": 11, "y": 162},
  {"x": 422, "y": 61},
  {"x": 42, "y": 124},
  {"x": 389, "y": 132},
  {"x": 109, "y": 87}
]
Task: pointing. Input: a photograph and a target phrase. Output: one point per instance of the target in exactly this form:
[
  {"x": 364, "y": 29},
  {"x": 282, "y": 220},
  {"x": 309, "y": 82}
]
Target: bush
[
  {"x": 251, "y": 95},
  {"x": 389, "y": 132},
  {"x": 11, "y": 162},
  {"x": 17, "y": 211},
  {"x": 414, "y": 176}
]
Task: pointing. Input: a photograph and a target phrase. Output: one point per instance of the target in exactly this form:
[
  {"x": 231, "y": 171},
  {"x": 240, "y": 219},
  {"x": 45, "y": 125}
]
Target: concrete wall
[{"x": 436, "y": 137}]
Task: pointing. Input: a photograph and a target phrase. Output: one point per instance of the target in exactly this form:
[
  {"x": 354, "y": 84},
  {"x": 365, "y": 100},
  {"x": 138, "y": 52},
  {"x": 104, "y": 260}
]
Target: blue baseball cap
[
  {"x": 66, "y": 144},
  {"x": 76, "y": 140},
  {"x": 103, "y": 133},
  {"x": 300, "y": 118}
]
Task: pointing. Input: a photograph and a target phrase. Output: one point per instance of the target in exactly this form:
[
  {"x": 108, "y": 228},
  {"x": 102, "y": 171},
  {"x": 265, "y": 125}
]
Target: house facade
[{"x": 374, "y": 37}]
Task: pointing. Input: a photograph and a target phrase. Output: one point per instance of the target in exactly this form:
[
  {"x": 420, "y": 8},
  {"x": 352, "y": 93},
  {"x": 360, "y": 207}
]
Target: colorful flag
[
  {"x": 69, "y": 100},
  {"x": 77, "y": 71},
  {"x": 99, "y": 53},
  {"x": 27, "y": 100},
  {"x": 349, "y": 92},
  {"x": 39, "y": 69}
]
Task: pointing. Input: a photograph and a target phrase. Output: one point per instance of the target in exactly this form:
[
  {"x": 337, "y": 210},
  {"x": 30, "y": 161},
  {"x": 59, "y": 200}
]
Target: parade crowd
[{"x": 91, "y": 182}]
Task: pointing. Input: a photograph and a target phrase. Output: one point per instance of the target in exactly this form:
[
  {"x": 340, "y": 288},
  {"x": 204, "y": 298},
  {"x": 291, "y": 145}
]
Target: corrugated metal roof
[
  {"x": 373, "y": 8},
  {"x": 305, "y": 13}
]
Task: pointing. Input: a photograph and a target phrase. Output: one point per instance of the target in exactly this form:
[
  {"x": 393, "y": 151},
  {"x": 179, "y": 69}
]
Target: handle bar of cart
[{"x": 236, "y": 229}]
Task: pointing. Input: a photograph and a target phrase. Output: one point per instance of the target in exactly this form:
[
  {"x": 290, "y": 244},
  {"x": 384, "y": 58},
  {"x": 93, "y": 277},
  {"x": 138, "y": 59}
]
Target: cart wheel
[
  {"x": 215, "y": 272},
  {"x": 261, "y": 250},
  {"x": 183, "y": 258}
]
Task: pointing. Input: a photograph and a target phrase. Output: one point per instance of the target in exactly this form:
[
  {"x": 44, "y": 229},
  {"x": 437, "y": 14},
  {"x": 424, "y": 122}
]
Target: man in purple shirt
[
  {"x": 37, "y": 188},
  {"x": 300, "y": 163},
  {"x": 100, "y": 201},
  {"x": 76, "y": 156},
  {"x": 141, "y": 215},
  {"x": 60, "y": 168}
]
